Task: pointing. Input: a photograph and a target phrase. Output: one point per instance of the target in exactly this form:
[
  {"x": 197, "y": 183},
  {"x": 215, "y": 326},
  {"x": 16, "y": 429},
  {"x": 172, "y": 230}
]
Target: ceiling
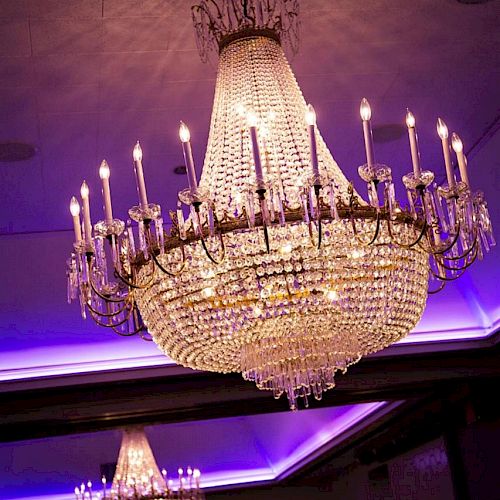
[{"x": 82, "y": 80}]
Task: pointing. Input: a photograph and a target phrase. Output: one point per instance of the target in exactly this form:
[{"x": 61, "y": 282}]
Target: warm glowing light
[
  {"x": 89, "y": 484},
  {"x": 365, "y": 110},
  {"x": 410, "y": 119},
  {"x": 456, "y": 143},
  {"x": 74, "y": 207},
  {"x": 180, "y": 471},
  {"x": 252, "y": 119},
  {"x": 196, "y": 473},
  {"x": 184, "y": 133},
  {"x": 103, "y": 480},
  {"x": 286, "y": 248},
  {"x": 137, "y": 152},
  {"x": 84, "y": 190},
  {"x": 442, "y": 129},
  {"x": 104, "y": 171},
  {"x": 331, "y": 295},
  {"x": 208, "y": 292},
  {"x": 164, "y": 472},
  {"x": 310, "y": 115}
]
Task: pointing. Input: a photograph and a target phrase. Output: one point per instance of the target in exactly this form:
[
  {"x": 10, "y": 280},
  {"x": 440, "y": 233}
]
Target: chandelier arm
[
  {"x": 450, "y": 246},
  {"x": 447, "y": 278},
  {"x": 405, "y": 245},
  {"x": 465, "y": 254},
  {"x": 209, "y": 255},
  {"x": 442, "y": 284},
  {"x": 467, "y": 262},
  {"x": 130, "y": 334},
  {"x": 133, "y": 285},
  {"x": 102, "y": 296},
  {"x": 96, "y": 317},
  {"x": 356, "y": 232},
  {"x": 109, "y": 315},
  {"x": 166, "y": 271}
]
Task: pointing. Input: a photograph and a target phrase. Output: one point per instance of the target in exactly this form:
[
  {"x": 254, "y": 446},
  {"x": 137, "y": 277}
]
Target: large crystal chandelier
[
  {"x": 137, "y": 476},
  {"x": 280, "y": 271}
]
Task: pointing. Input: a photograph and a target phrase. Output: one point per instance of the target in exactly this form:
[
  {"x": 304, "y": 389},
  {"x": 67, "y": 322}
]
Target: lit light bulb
[
  {"x": 103, "y": 480},
  {"x": 410, "y": 119},
  {"x": 287, "y": 248},
  {"x": 456, "y": 143},
  {"x": 137, "y": 152},
  {"x": 184, "y": 133},
  {"x": 252, "y": 119},
  {"x": 89, "y": 484},
  {"x": 365, "y": 110},
  {"x": 104, "y": 171},
  {"x": 74, "y": 207},
  {"x": 310, "y": 115},
  {"x": 84, "y": 190},
  {"x": 180, "y": 471},
  {"x": 164, "y": 472},
  {"x": 77, "y": 491},
  {"x": 331, "y": 295},
  {"x": 196, "y": 473},
  {"x": 442, "y": 129}
]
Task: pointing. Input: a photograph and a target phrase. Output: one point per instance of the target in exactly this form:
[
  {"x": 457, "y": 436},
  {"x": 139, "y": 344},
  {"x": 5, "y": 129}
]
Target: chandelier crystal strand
[{"x": 281, "y": 271}]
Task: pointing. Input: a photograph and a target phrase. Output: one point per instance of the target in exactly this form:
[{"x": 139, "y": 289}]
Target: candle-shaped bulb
[
  {"x": 164, "y": 472},
  {"x": 196, "y": 473},
  {"x": 442, "y": 129},
  {"x": 456, "y": 143},
  {"x": 180, "y": 471},
  {"x": 74, "y": 207},
  {"x": 410, "y": 119},
  {"x": 84, "y": 190},
  {"x": 103, "y": 480},
  {"x": 310, "y": 115},
  {"x": 104, "y": 171},
  {"x": 137, "y": 152},
  {"x": 77, "y": 490},
  {"x": 252, "y": 119},
  {"x": 365, "y": 110},
  {"x": 184, "y": 133},
  {"x": 89, "y": 484}
]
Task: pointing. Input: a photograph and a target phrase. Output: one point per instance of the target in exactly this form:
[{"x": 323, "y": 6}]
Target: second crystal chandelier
[{"x": 281, "y": 271}]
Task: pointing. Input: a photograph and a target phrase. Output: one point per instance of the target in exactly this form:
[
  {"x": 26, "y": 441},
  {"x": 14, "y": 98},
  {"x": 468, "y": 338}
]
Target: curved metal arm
[
  {"x": 133, "y": 285},
  {"x": 442, "y": 284},
  {"x": 209, "y": 255},
  {"x": 404, "y": 245},
  {"x": 102, "y": 296},
  {"x": 95, "y": 317},
  {"x": 449, "y": 247},
  {"x": 127, "y": 305},
  {"x": 356, "y": 233},
  {"x": 166, "y": 271}
]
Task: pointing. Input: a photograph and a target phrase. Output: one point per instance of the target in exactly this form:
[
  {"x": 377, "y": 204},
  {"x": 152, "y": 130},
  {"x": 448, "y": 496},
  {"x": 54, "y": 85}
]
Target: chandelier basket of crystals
[
  {"x": 137, "y": 476},
  {"x": 281, "y": 271}
]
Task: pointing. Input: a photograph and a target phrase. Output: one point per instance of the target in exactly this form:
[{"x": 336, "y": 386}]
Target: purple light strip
[{"x": 89, "y": 359}]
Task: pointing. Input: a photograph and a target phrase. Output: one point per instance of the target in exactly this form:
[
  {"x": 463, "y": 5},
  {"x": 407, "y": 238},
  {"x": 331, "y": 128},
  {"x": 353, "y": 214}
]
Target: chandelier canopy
[
  {"x": 137, "y": 475},
  {"x": 281, "y": 271}
]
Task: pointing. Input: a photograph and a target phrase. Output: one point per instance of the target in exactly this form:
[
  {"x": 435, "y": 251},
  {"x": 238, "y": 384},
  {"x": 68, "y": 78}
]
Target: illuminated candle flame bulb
[
  {"x": 456, "y": 143},
  {"x": 89, "y": 484},
  {"x": 180, "y": 471},
  {"x": 74, "y": 207},
  {"x": 442, "y": 129},
  {"x": 365, "y": 110},
  {"x": 84, "y": 190},
  {"x": 103, "y": 480},
  {"x": 196, "y": 473},
  {"x": 104, "y": 171},
  {"x": 137, "y": 152},
  {"x": 184, "y": 133},
  {"x": 310, "y": 115},
  {"x": 410, "y": 120},
  {"x": 252, "y": 119},
  {"x": 164, "y": 472},
  {"x": 77, "y": 491}
]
